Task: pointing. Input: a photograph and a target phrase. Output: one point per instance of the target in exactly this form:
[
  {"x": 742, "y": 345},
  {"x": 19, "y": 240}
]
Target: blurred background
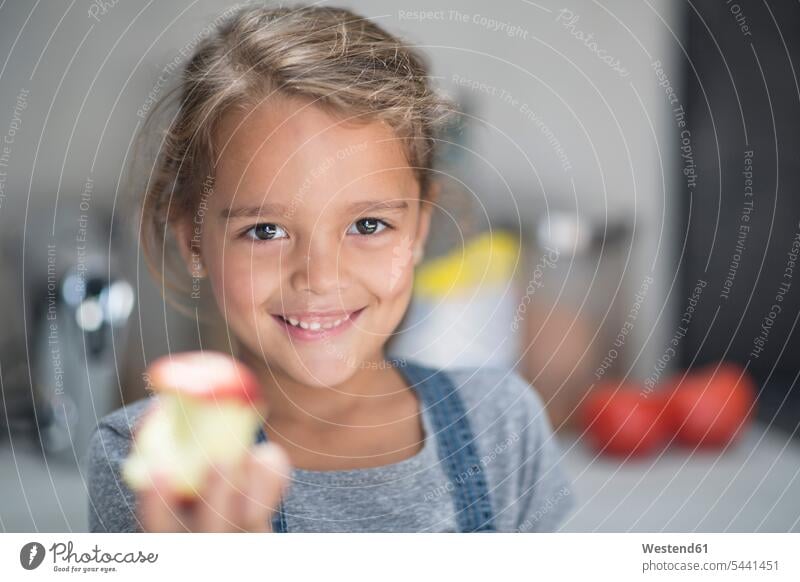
[{"x": 619, "y": 224}]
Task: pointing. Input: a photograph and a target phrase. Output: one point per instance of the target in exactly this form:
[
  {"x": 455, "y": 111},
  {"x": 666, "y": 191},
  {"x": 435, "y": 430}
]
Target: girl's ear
[{"x": 190, "y": 252}]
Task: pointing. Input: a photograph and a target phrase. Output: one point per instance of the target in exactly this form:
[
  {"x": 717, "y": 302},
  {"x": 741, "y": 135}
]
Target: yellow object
[{"x": 488, "y": 259}]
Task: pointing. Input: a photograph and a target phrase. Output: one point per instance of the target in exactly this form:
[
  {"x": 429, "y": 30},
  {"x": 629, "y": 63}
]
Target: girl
[{"x": 296, "y": 178}]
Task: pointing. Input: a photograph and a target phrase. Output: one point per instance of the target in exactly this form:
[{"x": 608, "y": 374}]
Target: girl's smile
[{"x": 316, "y": 325}]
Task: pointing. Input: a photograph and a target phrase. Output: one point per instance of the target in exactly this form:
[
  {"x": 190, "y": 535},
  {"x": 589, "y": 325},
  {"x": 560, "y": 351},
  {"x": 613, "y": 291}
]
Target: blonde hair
[{"x": 338, "y": 60}]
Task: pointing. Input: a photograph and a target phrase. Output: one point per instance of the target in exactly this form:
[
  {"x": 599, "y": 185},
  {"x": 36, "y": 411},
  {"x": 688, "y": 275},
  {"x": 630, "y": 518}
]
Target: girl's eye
[
  {"x": 367, "y": 226},
  {"x": 264, "y": 231}
]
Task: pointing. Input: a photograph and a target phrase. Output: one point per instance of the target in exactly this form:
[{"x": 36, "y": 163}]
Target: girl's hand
[{"x": 233, "y": 499}]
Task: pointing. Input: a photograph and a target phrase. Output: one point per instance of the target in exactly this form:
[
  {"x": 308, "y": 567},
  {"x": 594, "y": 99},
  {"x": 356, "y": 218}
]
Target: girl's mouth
[{"x": 311, "y": 328}]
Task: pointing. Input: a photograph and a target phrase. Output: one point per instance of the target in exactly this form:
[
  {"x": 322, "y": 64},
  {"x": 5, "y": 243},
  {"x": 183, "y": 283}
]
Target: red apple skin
[
  {"x": 711, "y": 407},
  {"x": 205, "y": 374},
  {"x": 623, "y": 421}
]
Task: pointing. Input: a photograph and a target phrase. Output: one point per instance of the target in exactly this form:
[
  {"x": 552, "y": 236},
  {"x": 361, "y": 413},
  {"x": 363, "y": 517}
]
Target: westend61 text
[{"x": 671, "y": 549}]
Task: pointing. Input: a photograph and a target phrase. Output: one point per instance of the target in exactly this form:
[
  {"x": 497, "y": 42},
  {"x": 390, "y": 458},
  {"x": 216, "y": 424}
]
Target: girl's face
[{"x": 308, "y": 236}]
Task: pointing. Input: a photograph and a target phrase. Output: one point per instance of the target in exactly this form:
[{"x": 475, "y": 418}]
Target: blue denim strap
[
  {"x": 456, "y": 445},
  {"x": 279, "y": 517}
]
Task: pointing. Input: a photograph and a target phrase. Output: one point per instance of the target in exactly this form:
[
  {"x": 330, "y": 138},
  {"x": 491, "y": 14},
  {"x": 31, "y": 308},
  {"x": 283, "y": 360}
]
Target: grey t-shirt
[{"x": 519, "y": 455}]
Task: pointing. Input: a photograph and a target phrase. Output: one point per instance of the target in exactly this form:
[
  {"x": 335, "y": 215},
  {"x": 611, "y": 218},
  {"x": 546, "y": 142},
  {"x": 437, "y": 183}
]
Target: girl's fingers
[
  {"x": 216, "y": 511},
  {"x": 267, "y": 471},
  {"x": 157, "y": 509},
  {"x": 233, "y": 498}
]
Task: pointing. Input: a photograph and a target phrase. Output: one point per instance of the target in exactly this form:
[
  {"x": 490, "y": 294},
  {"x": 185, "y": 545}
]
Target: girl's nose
[{"x": 317, "y": 268}]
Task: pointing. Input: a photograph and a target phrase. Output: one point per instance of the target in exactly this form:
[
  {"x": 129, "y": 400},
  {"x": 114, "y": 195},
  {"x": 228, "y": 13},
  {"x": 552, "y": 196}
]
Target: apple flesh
[{"x": 207, "y": 411}]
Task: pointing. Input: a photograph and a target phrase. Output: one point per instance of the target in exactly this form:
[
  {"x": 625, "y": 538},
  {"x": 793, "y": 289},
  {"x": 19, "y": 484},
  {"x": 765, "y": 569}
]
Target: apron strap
[
  {"x": 279, "y": 517},
  {"x": 455, "y": 445}
]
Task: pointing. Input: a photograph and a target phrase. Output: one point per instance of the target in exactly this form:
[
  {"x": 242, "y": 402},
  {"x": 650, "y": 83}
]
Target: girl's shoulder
[
  {"x": 112, "y": 504},
  {"x": 496, "y": 400},
  {"x": 522, "y": 458},
  {"x": 123, "y": 420}
]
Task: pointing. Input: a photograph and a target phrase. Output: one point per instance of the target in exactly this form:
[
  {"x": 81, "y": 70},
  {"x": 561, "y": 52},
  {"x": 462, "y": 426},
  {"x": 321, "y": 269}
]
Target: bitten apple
[{"x": 206, "y": 411}]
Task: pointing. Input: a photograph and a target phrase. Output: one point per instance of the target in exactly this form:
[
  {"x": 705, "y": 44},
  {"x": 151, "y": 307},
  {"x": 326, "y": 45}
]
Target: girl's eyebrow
[
  {"x": 274, "y": 208},
  {"x": 253, "y": 211},
  {"x": 392, "y": 204}
]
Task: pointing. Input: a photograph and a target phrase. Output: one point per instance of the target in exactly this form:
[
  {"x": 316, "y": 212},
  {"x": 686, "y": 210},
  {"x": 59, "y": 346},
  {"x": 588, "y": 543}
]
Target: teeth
[{"x": 314, "y": 325}]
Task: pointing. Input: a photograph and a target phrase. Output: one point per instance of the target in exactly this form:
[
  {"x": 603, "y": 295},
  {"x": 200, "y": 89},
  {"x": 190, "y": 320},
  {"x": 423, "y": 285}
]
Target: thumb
[{"x": 270, "y": 470}]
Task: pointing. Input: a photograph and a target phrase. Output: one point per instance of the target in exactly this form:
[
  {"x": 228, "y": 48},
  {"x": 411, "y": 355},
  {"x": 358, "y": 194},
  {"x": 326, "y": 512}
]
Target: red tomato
[
  {"x": 622, "y": 420},
  {"x": 711, "y": 406}
]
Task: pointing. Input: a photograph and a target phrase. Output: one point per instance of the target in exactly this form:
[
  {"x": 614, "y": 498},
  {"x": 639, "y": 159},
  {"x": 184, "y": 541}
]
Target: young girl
[{"x": 296, "y": 179}]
